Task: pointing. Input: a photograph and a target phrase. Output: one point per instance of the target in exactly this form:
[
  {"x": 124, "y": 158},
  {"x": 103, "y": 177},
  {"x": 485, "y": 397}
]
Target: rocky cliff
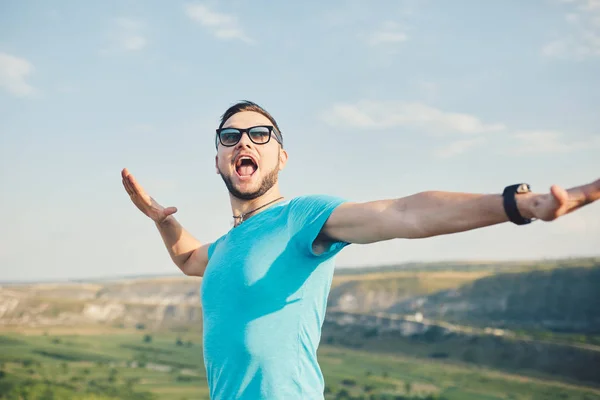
[{"x": 129, "y": 303}]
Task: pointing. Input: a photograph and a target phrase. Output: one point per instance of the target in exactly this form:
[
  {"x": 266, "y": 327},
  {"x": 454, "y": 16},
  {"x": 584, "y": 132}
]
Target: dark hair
[{"x": 246, "y": 105}]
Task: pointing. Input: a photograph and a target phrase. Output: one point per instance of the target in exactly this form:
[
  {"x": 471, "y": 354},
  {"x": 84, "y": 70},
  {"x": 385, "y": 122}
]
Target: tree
[
  {"x": 112, "y": 376},
  {"x": 343, "y": 394},
  {"x": 349, "y": 382},
  {"x": 407, "y": 387},
  {"x": 48, "y": 394}
]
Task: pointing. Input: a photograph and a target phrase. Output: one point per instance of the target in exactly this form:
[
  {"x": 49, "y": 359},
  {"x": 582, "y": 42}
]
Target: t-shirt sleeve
[
  {"x": 211, "y": 249},
  {"x": 307, "y": 217},
  {"x": 212, "y": 246}
]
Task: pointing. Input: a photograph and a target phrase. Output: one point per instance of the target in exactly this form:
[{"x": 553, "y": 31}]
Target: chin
[
  {"x": 252, "y": 188},
  {"x": 246, "y": 191},
  {"x": 250, "y": 195}
]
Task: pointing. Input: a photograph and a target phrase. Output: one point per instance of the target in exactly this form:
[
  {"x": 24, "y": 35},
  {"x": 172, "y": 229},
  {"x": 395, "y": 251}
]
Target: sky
[{"x": 375, "y": 99}]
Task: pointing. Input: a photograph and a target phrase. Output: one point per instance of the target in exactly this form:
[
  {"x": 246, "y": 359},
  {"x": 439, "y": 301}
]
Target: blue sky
[{"x": 376, "y": 99}]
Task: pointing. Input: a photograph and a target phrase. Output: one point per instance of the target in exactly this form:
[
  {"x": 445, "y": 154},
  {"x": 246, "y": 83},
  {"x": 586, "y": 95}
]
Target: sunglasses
[{"x": 258, "y": 135}]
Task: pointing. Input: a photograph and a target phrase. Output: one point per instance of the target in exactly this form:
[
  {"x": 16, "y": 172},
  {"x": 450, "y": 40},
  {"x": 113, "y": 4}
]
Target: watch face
[{"x": 523, "y": 188}]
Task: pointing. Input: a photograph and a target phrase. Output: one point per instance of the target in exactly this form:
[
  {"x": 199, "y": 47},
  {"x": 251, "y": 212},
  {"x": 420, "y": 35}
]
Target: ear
[
  {"x": 217, "y": 165},
  {"x": 283, "y": 157}
]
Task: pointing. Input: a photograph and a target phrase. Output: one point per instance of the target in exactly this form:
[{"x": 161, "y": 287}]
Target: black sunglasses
[{"x": 258, "y": 135}]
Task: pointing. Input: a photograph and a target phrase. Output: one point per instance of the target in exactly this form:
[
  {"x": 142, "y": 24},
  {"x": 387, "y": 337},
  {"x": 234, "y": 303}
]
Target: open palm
[
  {"x": 558, "y": 202},
  {"x": 144, "y": 202}
]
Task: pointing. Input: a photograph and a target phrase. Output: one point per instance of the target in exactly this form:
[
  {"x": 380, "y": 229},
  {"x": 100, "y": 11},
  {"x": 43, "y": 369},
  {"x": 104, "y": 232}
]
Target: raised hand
[
  {"x": 558, "y": 202},
  {"x": 143, "y": 201}
]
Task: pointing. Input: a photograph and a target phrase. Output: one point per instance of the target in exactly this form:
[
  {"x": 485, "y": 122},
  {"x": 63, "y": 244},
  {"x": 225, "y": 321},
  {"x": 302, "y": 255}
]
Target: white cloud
[
  {"x": 133, "y": 43},
  {"x": 222, "y": 26},
  {"x": 582, "y": 39},
  {"x": 367, "y": 114},
  {"x": 556, "y": 48},
  {"x": 550, "y": 142},
  {"x": 13, "y": 74},
  {"x": 389, "y": 33},
  {"x": 126, "y": 34},
  {"x": 458, "y": 147},
  {"x": 572, "y": 18},
  {"x": 377, "y": 114},
  {"x": 130, "y": 34}
]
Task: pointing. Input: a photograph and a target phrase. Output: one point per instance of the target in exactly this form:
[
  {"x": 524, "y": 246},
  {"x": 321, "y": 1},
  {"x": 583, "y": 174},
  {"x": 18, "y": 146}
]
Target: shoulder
[
  {"x": 309, "y": 212},
  {"x": 315, "y": 201},
  {"x": 212, "y": 246}
]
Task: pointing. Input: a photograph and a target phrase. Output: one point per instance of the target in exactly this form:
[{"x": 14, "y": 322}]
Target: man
[{"x": 266, "y": 281}]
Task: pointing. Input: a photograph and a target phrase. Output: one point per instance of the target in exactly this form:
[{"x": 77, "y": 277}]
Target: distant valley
[
  {"x": 540, "y": 317},
  {"x": 557, "y": 295}
]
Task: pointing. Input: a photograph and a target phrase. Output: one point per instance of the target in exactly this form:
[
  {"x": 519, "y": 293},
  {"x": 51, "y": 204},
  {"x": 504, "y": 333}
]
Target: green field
[{"x": 141, "y": 365}]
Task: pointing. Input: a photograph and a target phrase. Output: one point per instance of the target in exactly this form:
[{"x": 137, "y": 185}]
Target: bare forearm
[
  {"x": 436, "y": 213},
  {"x": 179, "y": 242}
]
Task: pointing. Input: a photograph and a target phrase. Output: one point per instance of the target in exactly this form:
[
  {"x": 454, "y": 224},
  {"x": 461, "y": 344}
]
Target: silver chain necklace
[{"x": 242, "y": 217}]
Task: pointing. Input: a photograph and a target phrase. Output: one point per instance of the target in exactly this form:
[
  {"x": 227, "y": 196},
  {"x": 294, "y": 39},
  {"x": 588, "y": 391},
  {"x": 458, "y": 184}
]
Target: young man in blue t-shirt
[{"x": 266, "y": 281}]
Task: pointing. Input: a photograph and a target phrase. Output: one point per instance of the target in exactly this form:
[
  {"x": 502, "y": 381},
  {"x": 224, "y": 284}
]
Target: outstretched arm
[
  {"x": 434, "y": 213},
  {"x": 185, "y": 251}
]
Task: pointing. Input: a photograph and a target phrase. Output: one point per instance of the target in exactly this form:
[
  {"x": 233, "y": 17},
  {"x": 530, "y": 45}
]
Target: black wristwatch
[{"x": 510, "y": 203}]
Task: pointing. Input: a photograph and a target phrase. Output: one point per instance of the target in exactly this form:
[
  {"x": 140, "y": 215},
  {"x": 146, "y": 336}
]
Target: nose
[{"x": 245, "y": 140}]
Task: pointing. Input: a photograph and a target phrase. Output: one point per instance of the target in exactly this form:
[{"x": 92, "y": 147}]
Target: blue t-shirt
[{"x": 264, "y": 295}]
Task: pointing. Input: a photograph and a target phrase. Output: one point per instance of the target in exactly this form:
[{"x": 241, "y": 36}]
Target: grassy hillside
[
  {"x": 472, "y": 266},
  {"x": 149, "y": 366},
  {"x": 145, "y": 341},
  {"x": 561, "y": 299},
  {"x": 380, "y": 290},
  {"x": 430, "y": 341},
  {"x": 532, "y": 296}
]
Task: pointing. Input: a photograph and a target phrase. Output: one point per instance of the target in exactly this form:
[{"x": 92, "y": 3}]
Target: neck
[{"x": 240, "y": 207}]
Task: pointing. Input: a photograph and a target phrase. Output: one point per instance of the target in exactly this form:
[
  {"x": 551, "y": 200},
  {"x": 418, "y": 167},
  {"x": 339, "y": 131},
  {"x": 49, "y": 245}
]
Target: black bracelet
[{"x": 510, "y": 203}]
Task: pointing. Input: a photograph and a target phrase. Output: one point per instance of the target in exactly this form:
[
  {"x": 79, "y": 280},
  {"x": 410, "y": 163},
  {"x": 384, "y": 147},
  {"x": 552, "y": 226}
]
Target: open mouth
[{"x": 245, "y": 166}]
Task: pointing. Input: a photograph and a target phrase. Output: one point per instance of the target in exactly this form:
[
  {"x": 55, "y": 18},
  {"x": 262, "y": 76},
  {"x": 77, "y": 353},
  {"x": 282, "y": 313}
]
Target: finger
[
  {"x": 591, "y": 192},
  {"x": 139, "y": 191},
  {"x": 559, "y": 194},
  {"x": 125, "y": 174},
  {"x": 583, "y": 195},
  {"x": 594, "y": 191},
  {"x": 127, "y": 188},
  {"x": 137, "y": 188},
  {"x": 562, "y": 199},
  {"x": 170, "y": 210}
]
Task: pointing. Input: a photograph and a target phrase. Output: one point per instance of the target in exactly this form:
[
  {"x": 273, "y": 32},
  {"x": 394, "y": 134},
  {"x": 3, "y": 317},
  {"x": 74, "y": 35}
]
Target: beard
[{"x": 267, "y": 183}]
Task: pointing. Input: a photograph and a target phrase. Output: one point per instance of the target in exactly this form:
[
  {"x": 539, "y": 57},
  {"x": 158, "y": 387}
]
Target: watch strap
[{"x": 510, "y": 203}]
